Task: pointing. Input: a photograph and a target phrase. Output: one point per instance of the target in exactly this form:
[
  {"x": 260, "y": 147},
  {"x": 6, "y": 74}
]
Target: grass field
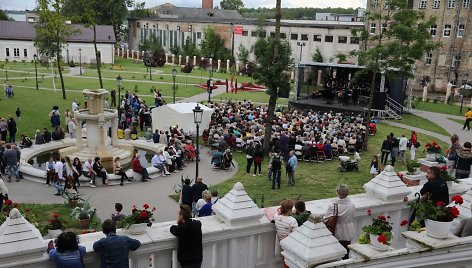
[
  {"x": 438, "y": 108},
  {"x": 417, "y": 121}
]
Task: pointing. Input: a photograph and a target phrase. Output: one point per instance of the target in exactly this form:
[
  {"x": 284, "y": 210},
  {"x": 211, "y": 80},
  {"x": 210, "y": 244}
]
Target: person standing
[
  {"x": 394, "y": 148},
  {"x": 276, "y": 169},
  {"x": 197, "y": 189},
  {"x": 413, "y": 141},
  {"x": 113, "y": 97},
  {"x": 402, "y": 147},
  {"x": 258, "y": 158},
  {"x": 386, "y": 148},
  {"x": 11, "y": 159},
  {"x": 11, "y": 126},
  {"x": 18, "y": 114},
  {"x": 468, "y": 118},
  {"x": 284, "y": 222},
  {"x": 189, "y": 235},
  {"x": 301, "y": 214},
  {"x": 186, "y": 195},
  {"x": 249, "y": 156},
  {"x": 3, "y": 129},
  {"x": 291, "y": 166},
  {"x": 114, "y": 249}
]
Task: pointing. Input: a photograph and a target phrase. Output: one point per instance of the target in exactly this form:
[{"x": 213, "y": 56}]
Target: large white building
[
  {"x": 172, "y": 25},
  {"x": 17, "y": 43}
]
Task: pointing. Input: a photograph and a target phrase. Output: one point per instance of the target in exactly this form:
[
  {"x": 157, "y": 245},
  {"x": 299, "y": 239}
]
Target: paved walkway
[{"x": 155, "y": 192}]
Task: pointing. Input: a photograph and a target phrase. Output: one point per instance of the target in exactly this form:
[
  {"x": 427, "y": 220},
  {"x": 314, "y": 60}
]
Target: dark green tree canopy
[
  {"x": 232, "y": 4},
  {"x": 214, "y": 44},
  {"x": 3, "y": 15}
]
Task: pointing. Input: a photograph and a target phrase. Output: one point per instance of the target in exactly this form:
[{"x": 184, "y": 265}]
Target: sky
[{"x": 30, "y": 4}]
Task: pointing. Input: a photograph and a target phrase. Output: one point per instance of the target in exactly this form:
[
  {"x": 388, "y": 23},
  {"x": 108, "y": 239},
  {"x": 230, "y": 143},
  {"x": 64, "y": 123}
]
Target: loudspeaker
[{"x": 379, "y": 101}]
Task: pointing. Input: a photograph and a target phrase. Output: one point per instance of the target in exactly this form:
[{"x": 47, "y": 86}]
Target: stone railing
[{"x": 240, "y": 236}]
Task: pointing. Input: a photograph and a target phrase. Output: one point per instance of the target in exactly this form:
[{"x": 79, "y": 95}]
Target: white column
[
  {"x": 166, "y": 58},
  {"x": 186, "y": 59},
  {"x": 180, "y": 59},
  {"x": 237, "y": 66},
  {"x": 227, "y": 66},
  {"x": 448, "y": 91},
  {"x": 132, "y": 54},
  {"x": 142, "y": 54},
  {"x": 320, "y": 76},
  {"x": 211, "y": 62},
  {"x": 173, "y": 59},
  {"x": 425, "y": 92},
  {"x": 194, "y": 60},
  {"x": 114, "y": 132},
  {"x": 219, "y": 65}
]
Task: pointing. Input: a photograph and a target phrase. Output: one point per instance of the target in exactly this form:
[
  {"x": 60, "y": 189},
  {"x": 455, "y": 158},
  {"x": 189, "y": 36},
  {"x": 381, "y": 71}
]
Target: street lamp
[
  {"x": 197, "y": 118},
  {"x": 210, "y": 74},
  {"x": 174, "y": 74},
  {"x": 35, "y": 57},
  {"x": 118, "y": 83},
  {"x": 301, "y": 45},
  {"x": 150, "y": 73},
  {"x": 80, "y": 60}
]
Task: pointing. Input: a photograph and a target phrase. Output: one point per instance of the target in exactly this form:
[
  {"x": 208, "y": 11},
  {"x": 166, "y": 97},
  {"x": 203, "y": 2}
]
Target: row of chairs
[{"x": 306, "y": 153}]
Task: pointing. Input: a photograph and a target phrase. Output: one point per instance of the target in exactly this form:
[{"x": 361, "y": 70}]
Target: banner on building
[{"x": 238, "y": 29}]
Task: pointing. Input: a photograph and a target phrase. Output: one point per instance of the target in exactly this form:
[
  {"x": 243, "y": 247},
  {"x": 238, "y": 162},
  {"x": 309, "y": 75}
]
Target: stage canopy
[{"x": 180, "y": 114}]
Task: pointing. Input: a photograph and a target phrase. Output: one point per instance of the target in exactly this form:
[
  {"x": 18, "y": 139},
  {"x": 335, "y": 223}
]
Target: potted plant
[
  {"x": 379, "y": 234},
  {"x": 444, "y": 173},
  {"x": 55, "y": 226},
  {"x": 412, "y": 167},
  {"x": 139, "y": 219},
  {"x": 84, "y": 213},
  {"x": 437, "y": 217},
  {"x": 432, "y": 150}
]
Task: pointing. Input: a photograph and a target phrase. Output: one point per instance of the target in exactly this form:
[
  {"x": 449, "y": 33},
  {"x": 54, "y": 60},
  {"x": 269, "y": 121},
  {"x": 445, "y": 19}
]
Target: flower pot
[
  {"x": 437, "y": 229},
  {"x": 54, "y": 233},
  {"x": 431, "y": 156},
  {"x": 139, "y": 228},
  {"x": 415, "y": 172},
  {"x": 376, "y": 244},
  {"x": 85, "y": 223}
]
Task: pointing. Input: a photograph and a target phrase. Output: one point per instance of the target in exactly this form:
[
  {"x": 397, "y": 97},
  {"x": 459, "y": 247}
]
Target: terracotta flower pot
[{"x": 85, "y": 223}]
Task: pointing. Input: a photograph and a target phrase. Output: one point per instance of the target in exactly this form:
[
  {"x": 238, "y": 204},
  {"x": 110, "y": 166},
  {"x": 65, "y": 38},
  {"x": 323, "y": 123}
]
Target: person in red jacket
[
  {"x": 413, "y": 141},
  {"x": 138, "y": 168}
]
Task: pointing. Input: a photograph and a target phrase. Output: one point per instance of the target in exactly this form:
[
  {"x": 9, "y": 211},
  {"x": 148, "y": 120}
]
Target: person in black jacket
[
  {"x": 46, "y": 135},
  {"x": 386, "y": 147},
  {"x": 464, "y": 161},
  {"x": 436, "y": 187},
  {"x": 186, "y": 195},
  {"x": 189, "y": 234}
]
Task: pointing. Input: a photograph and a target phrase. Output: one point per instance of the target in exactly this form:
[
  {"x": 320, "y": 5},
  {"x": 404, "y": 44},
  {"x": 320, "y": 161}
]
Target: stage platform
[{"x": 320, "y": 104}]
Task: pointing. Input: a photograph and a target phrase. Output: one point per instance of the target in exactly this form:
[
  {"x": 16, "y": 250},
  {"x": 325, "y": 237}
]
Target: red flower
[
  {"x": 134, "y": 210},
  {"x": 434, "y": 143},
  {"x": 382, "y": 238},
  {"x": 8, "y": 202},
  {"x": 382, "y": 218},
  {"x": 15, "y": 205},
  {"x": 85, "y": 232},
  {"x": 369, "y": 211},
  {"x": 403, "y": 223},
  {"x": 146, "y": 206},
  {"x": 455, "y": 212},
  {"x": 55, "y": 216},
  {"x": 440, "y": 204},
  {"x": 443, "y": 168},
  {"x": 154, "y": 209},
  {"x": 458, "y": 199},
  {"x": 143, "y": 214},
  {"x": 405, "y": 199},
  {"x": 51, "y": 220}
]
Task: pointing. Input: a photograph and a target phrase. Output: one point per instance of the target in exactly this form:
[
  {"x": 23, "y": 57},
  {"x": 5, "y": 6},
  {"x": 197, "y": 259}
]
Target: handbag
[{"x": 332, "y": 220}]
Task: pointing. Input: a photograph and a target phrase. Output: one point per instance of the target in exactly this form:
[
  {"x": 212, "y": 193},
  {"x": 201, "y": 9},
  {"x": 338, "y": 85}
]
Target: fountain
[{"x": 97, "y": 121}]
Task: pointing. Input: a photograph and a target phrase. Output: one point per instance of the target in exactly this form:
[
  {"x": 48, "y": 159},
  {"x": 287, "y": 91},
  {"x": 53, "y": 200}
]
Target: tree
[
  {"x": 52, "y": 33},
  {"x": 4, "y": 16},
  {"x": 402, "y": 39},
  {"x": 214, "y": 44},
  {"x": 151, "y": 44},
  {"x": 190, "y": 48},
  {"x": 272, "y": 70},
  {"x": 317, "y": 57},
  {"x": 140, "y": 11},
  {"x": 232, "y": 4},
  {"x": 243, "y": 54}
]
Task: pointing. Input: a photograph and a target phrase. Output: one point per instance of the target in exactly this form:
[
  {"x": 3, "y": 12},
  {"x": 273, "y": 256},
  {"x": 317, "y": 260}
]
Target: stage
[{"x": 320, "y": 104}]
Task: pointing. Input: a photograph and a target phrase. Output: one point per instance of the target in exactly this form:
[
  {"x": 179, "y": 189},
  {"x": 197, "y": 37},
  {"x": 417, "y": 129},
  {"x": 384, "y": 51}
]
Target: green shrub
[
  {"x": 23, "y": 61},
  {"x": 15, "y": 61},
  {"x": 435, "y": 101},
  {"x": 136, "y": 88},
  {"x": 161, "y": 77},
  {"x": 7, "y": 60}
]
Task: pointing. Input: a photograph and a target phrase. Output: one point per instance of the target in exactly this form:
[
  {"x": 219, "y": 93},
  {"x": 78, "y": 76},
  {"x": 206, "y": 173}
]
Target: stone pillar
[
  {"x": 320, "y": 76},
  {"x": 173, "y": 59},
  {"x": 211, "y": 62},
  {"x": 78, "y": 134},
  {"x": 387, "y": 186},
  {"x": 180, "y": 59},
  {"x": 142, "y": 54},
  {"x": 194, "y": 60},
  {"x": 132, "y": 54},
  {"x": 186, "y": 60},
  {"x": 237, "y": 66},
  {"x": 166, "y": 59},
  {"x": 114, "y": 131},
  {"x": 219, "y": 65},
  {"x": 227, "y": 66},
  {"x": 311, "y": 244},
  {"x": 101, "y": 133},
  {"x": 448, "y": 91},
  {"x": 425, "y": 93}
]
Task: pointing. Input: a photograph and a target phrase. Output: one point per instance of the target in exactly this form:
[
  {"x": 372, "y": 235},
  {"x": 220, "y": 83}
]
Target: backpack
[{"x": 276, "y": 163}]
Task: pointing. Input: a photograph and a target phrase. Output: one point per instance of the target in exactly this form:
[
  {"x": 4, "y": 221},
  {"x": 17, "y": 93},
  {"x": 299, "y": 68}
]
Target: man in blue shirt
[
  {"x": 114, "y": 248},
  {"x": 291, "y": 166}
]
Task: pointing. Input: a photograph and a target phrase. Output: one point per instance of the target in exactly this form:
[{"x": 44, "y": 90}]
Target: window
[
  {"x": 354, "y": 40},
  {"x": 342, "y": 39},
  {"x": 433, "y": 29},
  {"x": 386, "y": 5},
  {"x": 7, "y": 52},
  {"x": 293, "y": 36},
  {"x": 16, "y": 52},
  {"x": 245, "y": 33},
  {"x": 199, "y": 35},
  {"x": 384, "y": 27},
  {"x": 460, "y": 30},
  {"x": 447, "y": 30},
  {"x": 283, "y": 35},
  {"x": 465, "y": 3},
  {"x": 329, "y": 38},
  {"x": 422, "y": 4},
  {"x": 456, "y": 60},
  {"x": 272, "y": 34},
  {"x": 428, "y": 57},
  {"x": 304, "y": 37},
  {"x": 254, "y": 33},
  {"x": 317, "y": 37},
  {"x": 375, "y": 4},
  {"x": 373, "y": 28},
  {"x": 25, "y": 52},
  {"x": 451, "y": 3},
  {"x": 436, "y": 4},
  {"x": 263, "y": 34}
]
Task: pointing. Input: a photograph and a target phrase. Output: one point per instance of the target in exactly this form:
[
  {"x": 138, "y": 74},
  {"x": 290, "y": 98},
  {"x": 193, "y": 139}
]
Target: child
[
  {"x": 374, "y": 166},
  {"x": 117, "y": 216}
]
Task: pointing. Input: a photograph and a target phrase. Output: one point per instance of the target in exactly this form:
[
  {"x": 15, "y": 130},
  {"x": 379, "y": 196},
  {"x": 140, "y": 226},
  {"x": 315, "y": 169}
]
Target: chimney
[{"x": 207, "y": 4}]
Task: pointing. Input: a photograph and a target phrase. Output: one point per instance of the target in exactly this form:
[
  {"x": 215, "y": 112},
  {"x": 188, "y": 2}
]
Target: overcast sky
[{"x": 30, "y": 4}]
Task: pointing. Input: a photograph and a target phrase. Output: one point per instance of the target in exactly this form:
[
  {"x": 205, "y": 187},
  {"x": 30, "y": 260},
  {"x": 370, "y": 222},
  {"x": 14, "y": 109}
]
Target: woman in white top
[
  {"x": 344, "y": 224},
  {"x": 70, "y": 171},
  {"x": 284, "y": 223}
]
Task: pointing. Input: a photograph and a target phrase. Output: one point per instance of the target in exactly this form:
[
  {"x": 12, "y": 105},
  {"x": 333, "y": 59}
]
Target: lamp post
[
  {"x": 301, "y": 45},
  {"x": 35, "y": 57},
  {"x": 174, "y": 74},
  {"x": 150, "y": 73},
  {"x": 118, "y": 83},
  {"x": 197, "y": 118},
  {"x": 80, "y": 60},
  {"x": 210, "y": 74}
]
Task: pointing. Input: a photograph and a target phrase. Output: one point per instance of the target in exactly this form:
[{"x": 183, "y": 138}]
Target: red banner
[{"x": 238, "y": 29}]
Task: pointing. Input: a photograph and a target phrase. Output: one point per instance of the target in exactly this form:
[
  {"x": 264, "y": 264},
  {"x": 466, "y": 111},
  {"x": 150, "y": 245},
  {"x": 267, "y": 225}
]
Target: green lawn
[
  {"x": 460, "y": 121},
  {"x": 417, "y": 121},
  {"x": 261, "y": 97},
  {"x": 438, "y": 107},
  {"x": 314, "y": 180}
]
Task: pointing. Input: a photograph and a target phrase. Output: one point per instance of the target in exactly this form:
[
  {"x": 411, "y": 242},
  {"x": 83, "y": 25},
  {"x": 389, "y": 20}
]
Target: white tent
[{"x": 180, "y": 114}]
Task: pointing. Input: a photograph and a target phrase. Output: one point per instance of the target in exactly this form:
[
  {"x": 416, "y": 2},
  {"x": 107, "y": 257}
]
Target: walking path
[{"x": 155, "y": 192}]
